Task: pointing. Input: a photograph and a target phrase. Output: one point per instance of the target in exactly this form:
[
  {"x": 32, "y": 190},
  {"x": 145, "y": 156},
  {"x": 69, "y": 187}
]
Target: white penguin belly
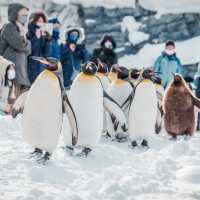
[
  {"x": 86, "y": 97},
  {"x": 42, "y": 117},
  {"x": 119, "y": 92},
  {"x": 143, "y": 112}
]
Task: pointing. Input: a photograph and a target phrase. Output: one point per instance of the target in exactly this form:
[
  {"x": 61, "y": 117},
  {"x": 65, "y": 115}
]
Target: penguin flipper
[
  {"x": 114, "y": 109},
  {"x": 196, "y": 102},
  {"x": 18, "y": 106},
  {"x": 72, "y": 118}
]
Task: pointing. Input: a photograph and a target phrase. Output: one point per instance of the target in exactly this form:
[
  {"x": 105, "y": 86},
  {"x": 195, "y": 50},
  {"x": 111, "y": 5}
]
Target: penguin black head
[
  {"x": 114, "y": 68},
  {"x": 50, "y": 62},
  {"x": 134, "y": 73},
  {"x": 157, "y": 80},
  {"x": 122, "y": 73},
  {"x": 148, "y": 73},
  {"x": 89, "y": 68},
  {"x": 178, "y": 80},
  {"x": 102, "y": 67}
]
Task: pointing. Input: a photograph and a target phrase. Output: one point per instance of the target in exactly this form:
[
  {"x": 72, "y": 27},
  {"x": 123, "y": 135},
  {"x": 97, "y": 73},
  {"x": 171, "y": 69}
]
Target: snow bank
[
  {"x": 171, "y": 6},
  {"x": 187, "y": 51},
  {"x": 96, "y": 3},
  {"x": 129, "y": 24}
]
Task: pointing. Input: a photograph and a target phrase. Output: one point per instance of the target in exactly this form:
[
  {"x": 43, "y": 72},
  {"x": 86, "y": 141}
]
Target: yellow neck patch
[
  {"x": 119, "y": 82},
  {"x": 100, "y": 74},
  {"x": 49, "y": 74},
  {"x": 158, "y": 85},
  {"x": 112, "y": 76},
  {"x": 146, "y": 81},
  {"x": 85, "y": 77}
]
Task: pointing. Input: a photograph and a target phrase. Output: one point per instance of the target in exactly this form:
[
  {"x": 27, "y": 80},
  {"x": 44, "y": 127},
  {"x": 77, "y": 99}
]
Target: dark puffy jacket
[
  {"x": 39, "y": 47},
  {"x": 107, "y": 56},
  {"x": 71, "y": 61},
  {"x": 15, "y": 47}
]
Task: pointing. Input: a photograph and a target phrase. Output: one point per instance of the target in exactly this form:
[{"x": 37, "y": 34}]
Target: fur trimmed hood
[{"x": 81, "y": 33}]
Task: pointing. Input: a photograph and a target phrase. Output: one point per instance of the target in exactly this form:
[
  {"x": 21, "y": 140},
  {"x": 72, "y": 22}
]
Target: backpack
[{"x": 3, "y": 43}]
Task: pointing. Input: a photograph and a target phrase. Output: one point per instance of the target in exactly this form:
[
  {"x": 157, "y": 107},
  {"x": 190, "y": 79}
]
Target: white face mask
[
  {"x": 169, "y": 52},
  {"x": 11, "y": 74},
  {"x": 40, "y": 24},
  {"x": 108, "y": 45}
]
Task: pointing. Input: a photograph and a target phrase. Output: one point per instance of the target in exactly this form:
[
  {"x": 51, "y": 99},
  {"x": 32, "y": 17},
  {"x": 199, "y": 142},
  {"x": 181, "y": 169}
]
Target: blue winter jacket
[
  {"x": 55, "y": 46},
  {"x": 166, "y": 65},
  {"x": 39, "y": 47},
  {"x": 71, "y": 61}
]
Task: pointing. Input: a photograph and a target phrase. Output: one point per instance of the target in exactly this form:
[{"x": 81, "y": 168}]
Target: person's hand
[
  {"x": 22, "y": 29},
  {"x": 47, "y": 35},
  {"x": 38, "y": 33},
  {"x": 72, "y": 47}
]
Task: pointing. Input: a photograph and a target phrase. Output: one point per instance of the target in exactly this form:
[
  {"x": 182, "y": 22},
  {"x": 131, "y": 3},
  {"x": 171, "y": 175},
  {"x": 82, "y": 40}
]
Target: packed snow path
[{"x": 169, "y": 170}]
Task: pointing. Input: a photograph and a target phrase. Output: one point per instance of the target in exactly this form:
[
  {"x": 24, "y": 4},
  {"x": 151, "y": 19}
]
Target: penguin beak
[
  {"x": 41, "y": 60},
  {"x": 173, "y": 74}
]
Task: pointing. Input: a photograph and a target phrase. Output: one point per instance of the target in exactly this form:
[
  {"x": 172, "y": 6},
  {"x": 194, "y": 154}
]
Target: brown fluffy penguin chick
[{"x": 178, "y": 105}]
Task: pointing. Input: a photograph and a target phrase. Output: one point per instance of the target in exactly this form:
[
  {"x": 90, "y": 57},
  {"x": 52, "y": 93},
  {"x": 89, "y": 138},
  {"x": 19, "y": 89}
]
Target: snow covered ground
[{"x": 169, "y": 170}]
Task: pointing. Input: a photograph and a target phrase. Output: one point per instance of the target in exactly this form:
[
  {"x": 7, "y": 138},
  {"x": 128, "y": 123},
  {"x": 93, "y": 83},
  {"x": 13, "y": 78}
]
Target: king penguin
[
  {"x": 178, "y": 107},
  {"x": 143, "y": 110},
  {"x": 89, "y": 99},
  {"x": 42, "y": 107},
  {"x": 120, "y": 89}
]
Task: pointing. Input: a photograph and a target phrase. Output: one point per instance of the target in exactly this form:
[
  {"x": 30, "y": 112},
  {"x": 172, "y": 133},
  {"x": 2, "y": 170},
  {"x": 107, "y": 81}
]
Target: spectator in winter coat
[
  {"x": 14, "y": 45},
  {"x": 73, "y": 54},
  {"x": 167, "y": 64},
  {"x": 40, "y": 42},
  {"x": 106, "y": 52},
  {"x": 55, "y": 51}
]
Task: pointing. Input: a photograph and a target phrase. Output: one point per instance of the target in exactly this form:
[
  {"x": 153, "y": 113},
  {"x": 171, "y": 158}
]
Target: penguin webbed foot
[
  {"x": 107, "y": 135},
  {"x": 134, "y": 144},
  {"x": 121, "y": 138},
  {"x": 43, "y": 160},
  {"x": 36, "y": 153},
  {"x": 83, "y": 153},
  {"x": 15, "y": 112},
  {"x": 145, "y": 143}
]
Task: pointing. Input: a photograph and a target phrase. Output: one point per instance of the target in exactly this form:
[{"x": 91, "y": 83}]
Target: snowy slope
[
  {"x": 113, "y": 171},
  {"x": 96, "y": 3},
  {"x": 171, "y": 6},
  {"x": 187, "y": 51}
]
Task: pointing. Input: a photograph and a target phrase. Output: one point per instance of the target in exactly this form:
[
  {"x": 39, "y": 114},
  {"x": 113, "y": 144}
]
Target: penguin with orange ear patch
[
  {"x": 42, "y": 106},
  {"x": 179, "y": 102},
  {"x": 89, "y": 100},
  {"x": 143, "y": 110}
]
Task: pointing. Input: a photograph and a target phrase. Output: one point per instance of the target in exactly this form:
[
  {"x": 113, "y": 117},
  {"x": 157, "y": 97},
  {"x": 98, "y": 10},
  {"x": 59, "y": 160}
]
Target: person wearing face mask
[
  {"x": 167, "y": 64},
  {"x": 106, "y": 52},
  {"x": 73, "y": 54},
  {"x": 14, "y": 45},
  {"x": 40, "y": 44},
  {"x": 55, "y": 51},
  {"x": 7, "y": 85}
]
